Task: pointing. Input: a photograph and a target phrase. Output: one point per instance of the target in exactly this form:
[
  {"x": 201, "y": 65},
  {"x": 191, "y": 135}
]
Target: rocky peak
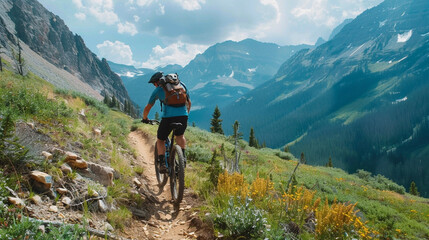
[{"x": 48, "y": 35}]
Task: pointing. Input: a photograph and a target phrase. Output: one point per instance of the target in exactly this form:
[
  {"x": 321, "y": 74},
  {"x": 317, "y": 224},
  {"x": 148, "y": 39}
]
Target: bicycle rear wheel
[
  {"x": 161, "y": 177},
  {"x": 177, "y": 178}
]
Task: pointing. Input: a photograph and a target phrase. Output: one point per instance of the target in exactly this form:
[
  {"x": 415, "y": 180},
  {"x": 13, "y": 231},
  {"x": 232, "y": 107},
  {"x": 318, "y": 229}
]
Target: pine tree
[
  {"x": 330, "y": 162},
  {"x": 214, "y": 169},
  {"x": 286, "y": 149},
  {"x": 216, "y": 122},
  {"x": 252, "y": 140},
  {"x": 106, "y": 100},
  {"x": 413, "y": 189},
  {"x": 113, "y": 102}
]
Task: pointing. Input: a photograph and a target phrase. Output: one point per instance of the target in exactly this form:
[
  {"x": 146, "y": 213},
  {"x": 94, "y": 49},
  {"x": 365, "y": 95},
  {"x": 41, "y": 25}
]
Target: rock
[
  {"x": 107, "y": 227},
  {"x": 36, "y": 199},
  {"x": 137, "y": 182},
  {"x": 57, "y": 150},
  {"x": 97, "y": 132},
  {"x": 66, "y": 201},
  {"x": 103, "y": 175},
  {"x": 41, "y": 228},
  {"x": 53, "y": 209},
  {"x": 41, "y": 177},
  {"x": 102, "y": 206},
  {"x": 16, "y": 201},
  {"x": 66, "y": 168},
  {"x": 78, "y": 163},
  {"x": 47, "y": 155},
  {"x": 31, "y": 125},
  {"x": 62, "y": 191},
  {"x": 70, "y": 156},
  {"x": 188, "y": 207},
  {"x": 82, "y": 113},
  {"x": 41, "y": 182}
]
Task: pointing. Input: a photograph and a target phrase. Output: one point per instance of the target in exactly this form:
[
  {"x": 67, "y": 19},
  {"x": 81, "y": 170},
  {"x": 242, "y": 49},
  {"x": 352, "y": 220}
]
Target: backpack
[{"x": 175, "y": 93}]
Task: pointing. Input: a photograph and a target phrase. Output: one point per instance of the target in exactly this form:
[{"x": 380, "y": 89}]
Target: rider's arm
[
  {"x": 188, "y": 105},
  {"x": 147, "y": 110}
]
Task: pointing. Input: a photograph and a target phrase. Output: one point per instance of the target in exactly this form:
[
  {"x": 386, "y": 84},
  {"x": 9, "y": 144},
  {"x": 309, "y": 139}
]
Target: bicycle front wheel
[
  {"x": 161, "y": 177},
  {"x": 177, "y": 178}
]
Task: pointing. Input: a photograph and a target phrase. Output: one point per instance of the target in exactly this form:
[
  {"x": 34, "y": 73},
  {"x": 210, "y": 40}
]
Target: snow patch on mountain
[
  {"x": 400, "y": 100},
  {"x": 405, "y": 36},
  {"x": 381, "y": 24},
  {"x": 229, "y": 81},
  {"x": 199, "y": 85}
]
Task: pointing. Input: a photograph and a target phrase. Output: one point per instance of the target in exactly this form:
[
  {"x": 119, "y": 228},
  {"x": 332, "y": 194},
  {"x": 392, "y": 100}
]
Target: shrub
[
  {"x": 198, "y": 153},
  {"x": 380, "y": 182},
  {"x": 10, "y": 150},
  {"x": 119, "y": 218},
  {"x": 232, "y": 184},
  {"x": 261, "y": 187},
  {"x": 284, "y": 155},
  {"x": 241, "y": 221}
]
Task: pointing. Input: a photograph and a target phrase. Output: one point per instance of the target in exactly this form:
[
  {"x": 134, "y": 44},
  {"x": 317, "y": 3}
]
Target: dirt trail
[{"x": 164, "y": 221}]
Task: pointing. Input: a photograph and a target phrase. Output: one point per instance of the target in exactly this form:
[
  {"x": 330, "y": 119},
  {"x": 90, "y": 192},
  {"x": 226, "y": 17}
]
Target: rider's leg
[{"x": 160, "y": 145}]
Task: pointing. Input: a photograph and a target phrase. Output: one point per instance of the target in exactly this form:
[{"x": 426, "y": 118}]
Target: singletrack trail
[{"x": 164, "y": 220}]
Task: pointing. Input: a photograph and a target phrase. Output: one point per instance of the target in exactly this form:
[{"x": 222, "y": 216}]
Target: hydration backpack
[{"x": 175, "y": 93}]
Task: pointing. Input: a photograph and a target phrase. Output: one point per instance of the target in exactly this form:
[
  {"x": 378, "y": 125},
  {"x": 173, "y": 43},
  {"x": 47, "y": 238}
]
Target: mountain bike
[{"x": 175, "y": 163}]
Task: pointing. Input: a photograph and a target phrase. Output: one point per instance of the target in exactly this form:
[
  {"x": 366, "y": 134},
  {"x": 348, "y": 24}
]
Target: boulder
[
  {"x": 70, "y": 156},
  {"x": 42, "y": 177},
  {"x": 78, "y": 163},
  {"x": 36, "y": 199},
  {"x": 66, "y": 168},
  {"x": 47, "y": 155},
  {"x": 102, "y": 174},
  {"x": 17, "y": 202}
]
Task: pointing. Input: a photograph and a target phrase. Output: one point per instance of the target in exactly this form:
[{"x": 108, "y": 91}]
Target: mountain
[
  {"x": 219, "y": 76},
  {"x": 226, "y": 71},
  {"x": 361, "y": 98},
  {"x": 46, "y": 37},
  {"x": 338, "y": 28}
]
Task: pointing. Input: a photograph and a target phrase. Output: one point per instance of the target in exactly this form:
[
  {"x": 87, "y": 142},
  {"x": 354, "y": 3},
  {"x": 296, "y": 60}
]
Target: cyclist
[{"x": 170, "y": 115}]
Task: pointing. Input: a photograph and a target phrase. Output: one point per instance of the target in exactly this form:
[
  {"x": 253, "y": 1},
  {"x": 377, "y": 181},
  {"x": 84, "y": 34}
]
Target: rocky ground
[{"x": 63, "y": 200}]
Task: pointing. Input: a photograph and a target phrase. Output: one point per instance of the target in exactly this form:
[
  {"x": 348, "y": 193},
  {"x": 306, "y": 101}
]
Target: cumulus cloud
[
  {"x": 127, "y": 27},
  {"x": 176, "y": 53},
  {"x": 190, "y": 5},
  {"x": 102, "y": 10},
  {"x": 80, "y": 16},
  {"x": 117, "y": 52},
  {"x": 136, "y": 18}
]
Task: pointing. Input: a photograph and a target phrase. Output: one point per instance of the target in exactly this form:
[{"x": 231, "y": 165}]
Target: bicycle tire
[
  {"x": 177, "y": 178},
  {"x": 160, "y": 177}
]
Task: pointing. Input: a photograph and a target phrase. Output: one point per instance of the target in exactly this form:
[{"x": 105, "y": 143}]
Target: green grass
[{"x": 381, "y": 202}]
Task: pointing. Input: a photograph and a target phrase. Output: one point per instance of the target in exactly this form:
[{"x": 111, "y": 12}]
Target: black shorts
[{"x": 165, "y": 129}]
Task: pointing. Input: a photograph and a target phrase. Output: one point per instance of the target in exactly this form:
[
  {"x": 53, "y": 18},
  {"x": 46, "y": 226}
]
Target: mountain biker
[{"x": 170, "y": 115}]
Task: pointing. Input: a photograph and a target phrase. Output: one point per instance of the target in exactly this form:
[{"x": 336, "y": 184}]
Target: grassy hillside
[
  {"x": 64, "y": 120},
  {"x": 258, "y": 203}
]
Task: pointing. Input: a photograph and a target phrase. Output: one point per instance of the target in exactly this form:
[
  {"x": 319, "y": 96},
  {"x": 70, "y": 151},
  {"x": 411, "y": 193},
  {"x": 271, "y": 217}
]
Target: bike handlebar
[{"x": 150, "y": 121}]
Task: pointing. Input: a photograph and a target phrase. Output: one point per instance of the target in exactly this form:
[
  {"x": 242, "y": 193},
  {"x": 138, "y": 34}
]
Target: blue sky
[{"x": 150, "y": 33}]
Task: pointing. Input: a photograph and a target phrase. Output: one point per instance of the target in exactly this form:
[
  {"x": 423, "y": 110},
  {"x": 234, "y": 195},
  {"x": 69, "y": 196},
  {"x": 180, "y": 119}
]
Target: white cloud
[
  {"x": 190, "y": 5},
  {"x": 117, "y": 52},
  {"x": 176, "y": 53},
  {"x": 127, "y": 28},
  {"x": 161, "y": 9},
  {"x": 316, "y": 11},
  {"x": 143, "y": 3},
  {"x": 102, "y": 10},
  {"x": 80, "y": 16},
  {"x": 136, "y": 18},
  {"x": 274, "y": 4}
]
